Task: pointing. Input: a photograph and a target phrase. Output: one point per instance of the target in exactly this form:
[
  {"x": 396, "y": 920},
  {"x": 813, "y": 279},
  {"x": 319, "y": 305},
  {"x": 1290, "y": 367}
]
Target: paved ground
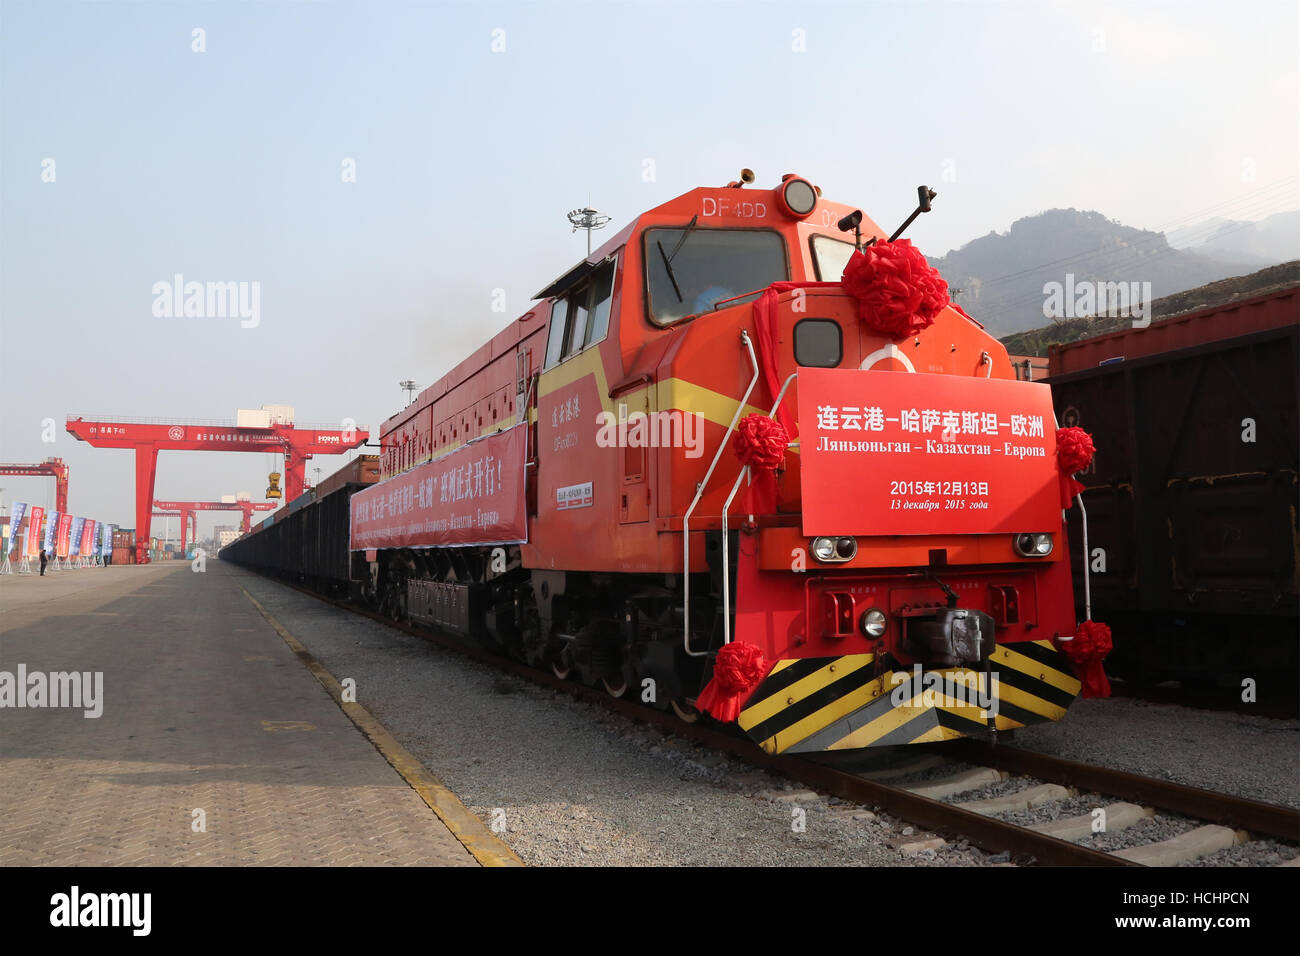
[{"x": 215, "y": 745}]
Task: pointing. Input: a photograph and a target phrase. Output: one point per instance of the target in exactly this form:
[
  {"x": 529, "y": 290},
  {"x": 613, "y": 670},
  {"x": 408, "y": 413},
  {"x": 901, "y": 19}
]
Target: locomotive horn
[
  {"x": 923, "y": 194},
  {"x": 746, "y": 176}
]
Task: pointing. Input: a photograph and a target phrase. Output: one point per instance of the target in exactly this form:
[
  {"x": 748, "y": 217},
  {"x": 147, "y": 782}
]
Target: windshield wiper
[
  {"x": 669, "y": 256},
  {"x": 669, "y": 266}
]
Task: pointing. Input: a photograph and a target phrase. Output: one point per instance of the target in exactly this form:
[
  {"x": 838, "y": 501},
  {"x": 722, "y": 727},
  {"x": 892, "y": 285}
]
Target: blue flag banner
[
  {"x": 77, "y": 525},
  {"x": 16, "y": 522},
  {"x": 51, "y": 522}
]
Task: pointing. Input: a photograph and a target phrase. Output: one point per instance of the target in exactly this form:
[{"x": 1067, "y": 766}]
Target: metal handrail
[
  {"x": 726, "y": 509},
  {"x": 1087, "y": 571},
  {"x": 699, "y": 493},
  {"x": 1087, "y": 582}
]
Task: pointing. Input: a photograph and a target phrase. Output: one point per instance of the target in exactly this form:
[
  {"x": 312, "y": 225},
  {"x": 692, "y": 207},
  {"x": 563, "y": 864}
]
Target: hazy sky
[{"x": 229, "y": 165}]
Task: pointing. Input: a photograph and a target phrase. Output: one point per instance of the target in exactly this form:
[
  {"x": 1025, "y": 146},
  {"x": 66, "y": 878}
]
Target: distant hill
[
  {"x": 1036, "y": 341},
  {"x": 1273, "y": 239},
  {"x": 1001, "y": 276}
]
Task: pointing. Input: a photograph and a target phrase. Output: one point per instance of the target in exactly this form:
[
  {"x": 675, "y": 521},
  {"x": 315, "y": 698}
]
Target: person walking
[{"x": 43, "y": 559}]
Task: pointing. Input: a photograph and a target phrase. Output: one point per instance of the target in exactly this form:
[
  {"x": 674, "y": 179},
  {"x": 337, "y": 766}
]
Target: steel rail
[{"x": 1269, "y": 819}]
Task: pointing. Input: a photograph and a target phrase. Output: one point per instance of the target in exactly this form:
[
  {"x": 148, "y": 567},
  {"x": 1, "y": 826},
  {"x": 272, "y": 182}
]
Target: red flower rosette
[
  {"x": 1085, "y": 653},
  {"x": 898, "y": 292},
  {"x": 760, "y": 443},
  {"x": 736, "y": 672},
  {"x": 1074, "y": 452}
]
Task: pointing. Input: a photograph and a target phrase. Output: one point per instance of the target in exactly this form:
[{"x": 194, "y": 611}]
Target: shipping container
[
  {"x": 306, "y": 498},
  {"x": 363, "y": 470},
  {"x": 1256, "y": 314}
]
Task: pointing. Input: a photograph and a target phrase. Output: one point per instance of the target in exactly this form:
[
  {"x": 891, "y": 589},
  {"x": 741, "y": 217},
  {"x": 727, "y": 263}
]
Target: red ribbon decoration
[
  {"x": 767, "y": 331},
  {"x": 899, "y": 293},
  {"x": 760, "y": 443},
  {"x": 1074, "y": 451},
  {"x": 1085, "y": 653},
  {"x": 736, "y": 672}
]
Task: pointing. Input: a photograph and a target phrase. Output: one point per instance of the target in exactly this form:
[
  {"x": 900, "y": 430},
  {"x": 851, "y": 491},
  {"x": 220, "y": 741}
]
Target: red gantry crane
[
  {"x": 55, "y": 468},
  {"x": 275, "y": 433},
  {"x": 188, "y": 518},
  {"x": 189, "y": 509}
]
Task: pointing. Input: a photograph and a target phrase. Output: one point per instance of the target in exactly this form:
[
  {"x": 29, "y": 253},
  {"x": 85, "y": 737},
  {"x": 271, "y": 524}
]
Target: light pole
[
  {"x": 589, "y": 219},
  {"x": 410, "y": 387}
]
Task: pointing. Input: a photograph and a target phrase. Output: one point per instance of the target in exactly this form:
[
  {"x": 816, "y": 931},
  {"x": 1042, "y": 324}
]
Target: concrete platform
[{"x": 215, "y": 745}]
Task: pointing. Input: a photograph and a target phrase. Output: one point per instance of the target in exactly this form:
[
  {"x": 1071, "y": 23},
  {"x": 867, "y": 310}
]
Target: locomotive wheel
[
  {"x": 684, "y": 711},
  {"x": 614, "y": 689}
]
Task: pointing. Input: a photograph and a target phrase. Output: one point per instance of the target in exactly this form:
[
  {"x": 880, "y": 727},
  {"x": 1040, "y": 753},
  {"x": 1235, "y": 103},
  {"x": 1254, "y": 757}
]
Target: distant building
[{"x": 225, "y": 534}]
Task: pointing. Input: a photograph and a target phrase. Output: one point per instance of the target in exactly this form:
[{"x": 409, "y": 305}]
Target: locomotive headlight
[
  {"x": 873, "y": 622},
  {"x": 834, "y": 550},
  {"x": 1033, "y": 545},
  {"x": 798, "y": 197}
]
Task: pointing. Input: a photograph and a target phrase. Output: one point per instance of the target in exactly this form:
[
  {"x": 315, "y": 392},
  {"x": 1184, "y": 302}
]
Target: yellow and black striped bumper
[{"x": 843, "y": 703}]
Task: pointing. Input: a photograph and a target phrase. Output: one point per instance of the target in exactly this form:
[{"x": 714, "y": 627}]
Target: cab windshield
[
  {"x": 830, "y": 257},
  {"x": 689, "y": 270}
]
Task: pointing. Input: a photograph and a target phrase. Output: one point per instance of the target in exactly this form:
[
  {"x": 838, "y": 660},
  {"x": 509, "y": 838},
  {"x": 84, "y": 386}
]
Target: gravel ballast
[
  {"x": 576, "y": 784},
  {"x": 1239, "y": 754}
]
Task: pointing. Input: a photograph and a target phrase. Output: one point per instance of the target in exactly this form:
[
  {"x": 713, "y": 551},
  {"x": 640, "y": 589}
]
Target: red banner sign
[
  {"x": 34, "y": 536},
  {"x": 475, "y": 495},
  {"x": 87, "y": 535},
  {"x": 916, "y": 453},
  {"x": 64, "y": 531}
]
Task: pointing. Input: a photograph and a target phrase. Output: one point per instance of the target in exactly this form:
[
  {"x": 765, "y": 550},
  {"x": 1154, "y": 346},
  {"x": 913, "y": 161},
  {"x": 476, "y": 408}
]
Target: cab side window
[
  {"x": 559, "y": 326},
  {"x": 581, "y": 318}
]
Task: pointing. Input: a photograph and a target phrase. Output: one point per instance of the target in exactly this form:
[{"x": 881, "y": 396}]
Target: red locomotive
[{"x": 703, "y": 469}]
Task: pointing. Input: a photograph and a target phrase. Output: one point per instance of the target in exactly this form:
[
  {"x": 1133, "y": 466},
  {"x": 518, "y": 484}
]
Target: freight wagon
[
  {"x": 1192, "y": 496},
  {"x": 307, "y": 544}
]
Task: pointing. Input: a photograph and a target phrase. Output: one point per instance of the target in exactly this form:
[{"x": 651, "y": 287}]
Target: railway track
[{"x": 1025, "y": 845}]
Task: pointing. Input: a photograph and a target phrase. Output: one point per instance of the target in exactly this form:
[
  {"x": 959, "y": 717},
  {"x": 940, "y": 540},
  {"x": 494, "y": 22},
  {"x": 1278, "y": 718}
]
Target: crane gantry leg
[{"x": 146, "y": 466}]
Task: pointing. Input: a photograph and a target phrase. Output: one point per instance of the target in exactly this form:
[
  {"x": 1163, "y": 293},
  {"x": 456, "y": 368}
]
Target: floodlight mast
[{"x": 588, "y": 219}]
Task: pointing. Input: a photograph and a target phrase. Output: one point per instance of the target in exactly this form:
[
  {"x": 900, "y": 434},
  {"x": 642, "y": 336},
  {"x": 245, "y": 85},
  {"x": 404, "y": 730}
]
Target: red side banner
[
  {"x": 475, "y": 495},
  {"x": 34, "y": 536},
  {"x": 87, "y": 534},
  {"x": 63, "y": 532},
  {"x": 916, "y": 453}
]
